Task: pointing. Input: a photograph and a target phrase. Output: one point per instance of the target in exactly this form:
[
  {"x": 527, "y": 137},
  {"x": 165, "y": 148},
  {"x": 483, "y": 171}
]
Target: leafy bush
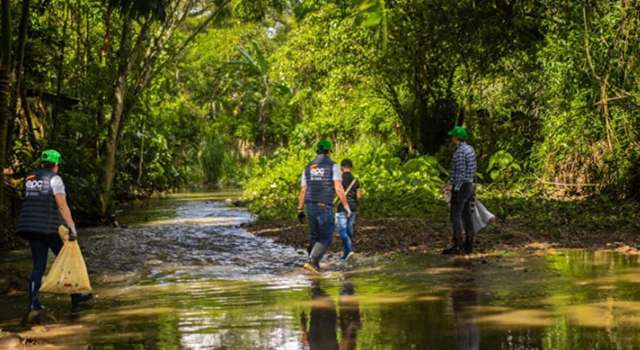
[
  {"x": 273, "y": 186},
  {"x": 212, "y": 159},
  {"x": 391, "y": 187},
  {"x": 503, "y": 167}
]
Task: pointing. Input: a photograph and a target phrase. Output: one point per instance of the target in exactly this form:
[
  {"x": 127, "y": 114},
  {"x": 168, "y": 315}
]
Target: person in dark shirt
[{"x": 345, "y": 222}]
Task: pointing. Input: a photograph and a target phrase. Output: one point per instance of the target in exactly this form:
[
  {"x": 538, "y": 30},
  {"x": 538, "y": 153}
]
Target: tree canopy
[{"x": 149, "y": 96}]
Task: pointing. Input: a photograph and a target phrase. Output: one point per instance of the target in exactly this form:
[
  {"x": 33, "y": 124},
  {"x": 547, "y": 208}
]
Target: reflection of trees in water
[
  {"x": 323, "y": 319},
  {"x": 444, "y": 314},
  {"x": 464, "y": 296}
]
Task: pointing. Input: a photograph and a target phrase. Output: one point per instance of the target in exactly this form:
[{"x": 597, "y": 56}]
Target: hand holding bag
[{"x": 68, "y": 274}]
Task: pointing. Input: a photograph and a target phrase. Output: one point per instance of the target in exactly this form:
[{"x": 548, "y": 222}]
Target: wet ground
[{"x": 184, "y": 274}]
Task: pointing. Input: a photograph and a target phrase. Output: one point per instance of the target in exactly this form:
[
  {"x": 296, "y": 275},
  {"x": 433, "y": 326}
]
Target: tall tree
[
  {"x": 142, "y": 45},
  {"x": 5, "y": 95}
]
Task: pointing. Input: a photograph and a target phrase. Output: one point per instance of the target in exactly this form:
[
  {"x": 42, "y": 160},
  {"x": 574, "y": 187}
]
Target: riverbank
[
  {"x": 521, "y": 223},
  {"x": 164, "y": 278}
]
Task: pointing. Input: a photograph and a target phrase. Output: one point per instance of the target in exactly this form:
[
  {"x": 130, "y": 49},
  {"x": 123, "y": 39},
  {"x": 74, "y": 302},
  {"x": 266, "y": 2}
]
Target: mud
[{"x": 402, "y": 235}]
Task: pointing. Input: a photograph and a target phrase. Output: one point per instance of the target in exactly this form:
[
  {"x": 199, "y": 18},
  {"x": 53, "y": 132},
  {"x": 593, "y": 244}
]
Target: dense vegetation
[{"x": 149, "y": 96}]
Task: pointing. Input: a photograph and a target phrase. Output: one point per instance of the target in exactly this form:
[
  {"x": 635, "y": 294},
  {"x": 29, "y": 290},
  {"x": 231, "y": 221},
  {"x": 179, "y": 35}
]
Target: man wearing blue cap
[{"x": 463, "y": 174}]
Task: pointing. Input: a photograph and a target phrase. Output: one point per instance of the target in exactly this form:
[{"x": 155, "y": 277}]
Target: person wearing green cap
[
  {"x": 462, "y": 192},
  {"x": 321, "y": 181},
  {"x": 44, "y": 209}
]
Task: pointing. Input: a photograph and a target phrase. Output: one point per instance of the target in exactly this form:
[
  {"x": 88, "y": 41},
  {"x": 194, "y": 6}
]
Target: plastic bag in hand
[{"x": 68, "y": 274}]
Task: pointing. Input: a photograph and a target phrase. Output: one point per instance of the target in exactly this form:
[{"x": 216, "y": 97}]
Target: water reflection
[
  {"x": 349, "y": 316},
  {"x": 464, "y": 296},
  {"x": 319, "y": 329},
  {"x": 200, "y": 282}
]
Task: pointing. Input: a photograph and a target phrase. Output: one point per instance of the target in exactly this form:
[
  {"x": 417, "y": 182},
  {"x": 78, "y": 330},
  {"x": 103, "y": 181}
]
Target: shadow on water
[{"x": 191, "y": 278}]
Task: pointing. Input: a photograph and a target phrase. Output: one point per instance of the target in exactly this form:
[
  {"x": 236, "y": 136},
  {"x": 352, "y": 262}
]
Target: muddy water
[{"x": 184, "y": 274}]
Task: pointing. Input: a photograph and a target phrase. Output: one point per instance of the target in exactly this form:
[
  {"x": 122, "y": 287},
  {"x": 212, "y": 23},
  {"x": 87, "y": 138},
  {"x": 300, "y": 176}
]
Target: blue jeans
[
  {"x": 321, "y": 223},
  {"x": 345, "y": 229}
]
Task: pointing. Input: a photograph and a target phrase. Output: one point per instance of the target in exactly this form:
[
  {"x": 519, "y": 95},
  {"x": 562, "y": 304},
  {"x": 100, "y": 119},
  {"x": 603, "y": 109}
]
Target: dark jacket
[{"x": 39, "y": 214}]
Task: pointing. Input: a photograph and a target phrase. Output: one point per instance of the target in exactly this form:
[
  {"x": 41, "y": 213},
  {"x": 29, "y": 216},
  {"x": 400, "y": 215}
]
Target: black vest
[
  {"x": 319, "y": 177},
  {"x": 39, "y": 212}
]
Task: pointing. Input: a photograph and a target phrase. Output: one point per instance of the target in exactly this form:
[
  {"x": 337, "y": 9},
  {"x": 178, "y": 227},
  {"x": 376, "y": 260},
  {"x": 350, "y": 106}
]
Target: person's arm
[
  {"x": 340, "y": 193},
  {"x": 65, "y": 212},
  {"x": 60, "y": 195},
  {"x": 358, "y": 191},
  {"x": 457, "y": 168},
  {"x": 303, "y": 191},
  {"x": 339, "y": 189},
  {"x": 301, "y": 195}
]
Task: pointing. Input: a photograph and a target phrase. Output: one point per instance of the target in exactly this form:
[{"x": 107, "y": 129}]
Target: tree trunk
[
  {"x": 103, "y": 54},
  {"x": 118, "y": 110},
  {"x": 141, "y": 160},
  {"x": 17, "y": 94},
  {"x": 105, "y": 50},
  {"x": 5, "y": 96},
  {"x": 59, "y": 76},
  {"x": 604, "y": 97}
]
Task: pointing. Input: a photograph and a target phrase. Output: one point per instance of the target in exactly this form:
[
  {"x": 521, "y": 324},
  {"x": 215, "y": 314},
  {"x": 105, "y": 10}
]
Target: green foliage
[
  {"x": 274, "y": 184},
  {"x": 548, "y": 90},
  {"x": 213, "y": 157},
  {"x": 391, "y": 186},
  {"x": 396, "y": 188},
  {"x": 503, "y": 167}
]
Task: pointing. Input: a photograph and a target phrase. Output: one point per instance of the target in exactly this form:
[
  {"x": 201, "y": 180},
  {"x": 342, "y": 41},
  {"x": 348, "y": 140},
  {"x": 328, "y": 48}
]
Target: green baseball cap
[
  {"x": 459, "y": 132},
  {"x": 51, "y": 156},
  {"x": 324, "y": 145}
]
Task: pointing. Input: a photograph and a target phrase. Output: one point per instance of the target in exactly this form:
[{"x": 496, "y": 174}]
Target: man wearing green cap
[
  {"x": 44, "y": 209},
  {"x": 321, "y": 181},
  {"x": 462, "y": 192}
]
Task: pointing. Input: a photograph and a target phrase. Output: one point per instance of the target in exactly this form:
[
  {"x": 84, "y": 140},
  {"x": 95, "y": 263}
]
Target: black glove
[
  {"x": 73, "y": 234},
  {"x": 301, "y": 216}
]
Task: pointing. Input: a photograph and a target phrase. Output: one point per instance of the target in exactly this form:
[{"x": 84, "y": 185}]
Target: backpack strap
[
  {"x": 346, "y": 192},
  {"x": 353, "y": 182}
]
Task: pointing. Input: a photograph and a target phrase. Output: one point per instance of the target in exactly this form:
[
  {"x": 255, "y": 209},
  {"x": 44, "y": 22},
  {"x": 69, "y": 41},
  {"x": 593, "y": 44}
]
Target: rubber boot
[
  {"x": 34, "y": 302},
  {"x": 454, "y": 250},
  {"x": 313, "y": 265},
  {"x": 318, "y": 252},
  {"x": 77, "y": 299},
  {"x": 309, "y": 249},
  {"x": 468, "y": 244}
]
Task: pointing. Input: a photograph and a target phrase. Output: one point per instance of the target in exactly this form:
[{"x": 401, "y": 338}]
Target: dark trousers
[
  {"x": 40, "y": 245},
  {"x": 461, "y": 213}
]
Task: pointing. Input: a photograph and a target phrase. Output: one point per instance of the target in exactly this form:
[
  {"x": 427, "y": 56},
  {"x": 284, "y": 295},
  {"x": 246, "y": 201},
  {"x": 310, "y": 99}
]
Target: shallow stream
[{"x": 185, "y": 274}]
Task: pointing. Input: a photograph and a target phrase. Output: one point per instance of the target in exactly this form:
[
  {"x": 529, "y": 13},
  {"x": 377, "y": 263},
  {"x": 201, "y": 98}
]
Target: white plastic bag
[{"x": 481, "y": 216}]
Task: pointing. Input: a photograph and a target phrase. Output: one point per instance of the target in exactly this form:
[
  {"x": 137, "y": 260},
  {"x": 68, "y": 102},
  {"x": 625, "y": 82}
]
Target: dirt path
[{"x": 381, "y": 236}]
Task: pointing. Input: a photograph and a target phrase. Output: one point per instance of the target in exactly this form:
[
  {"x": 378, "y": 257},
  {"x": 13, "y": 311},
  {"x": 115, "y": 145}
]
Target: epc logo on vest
[
  {"x": 317, "y": 173},
  {"x": 34, "y": 185}
]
